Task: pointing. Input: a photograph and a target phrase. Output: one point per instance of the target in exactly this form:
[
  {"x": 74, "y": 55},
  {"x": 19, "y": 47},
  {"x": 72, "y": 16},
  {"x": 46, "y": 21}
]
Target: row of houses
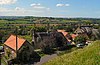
[
  {"x": 41, "y": 39},
  {"x": 11, "y": 47},
  {"x": 86, "y": 31}
]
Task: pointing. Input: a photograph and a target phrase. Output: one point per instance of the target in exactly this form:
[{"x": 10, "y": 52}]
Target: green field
[{"x": 90, "y": 55}]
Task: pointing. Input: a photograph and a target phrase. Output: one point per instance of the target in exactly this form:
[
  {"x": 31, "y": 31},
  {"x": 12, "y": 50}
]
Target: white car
[{"x": 81, "y": 45}]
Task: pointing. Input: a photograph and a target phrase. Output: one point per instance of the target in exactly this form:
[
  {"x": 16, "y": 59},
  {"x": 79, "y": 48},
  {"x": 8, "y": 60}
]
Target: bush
[
  {"x": 80, "y": 39},
  {"x": 47, "y": 50}
]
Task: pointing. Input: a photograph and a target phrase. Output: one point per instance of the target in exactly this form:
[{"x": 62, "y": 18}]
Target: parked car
[{"x": 80, "y": 45}]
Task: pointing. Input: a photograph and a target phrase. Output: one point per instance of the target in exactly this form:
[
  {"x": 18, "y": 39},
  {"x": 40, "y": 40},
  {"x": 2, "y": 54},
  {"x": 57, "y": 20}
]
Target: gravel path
[{"x": 46, "y": 59}]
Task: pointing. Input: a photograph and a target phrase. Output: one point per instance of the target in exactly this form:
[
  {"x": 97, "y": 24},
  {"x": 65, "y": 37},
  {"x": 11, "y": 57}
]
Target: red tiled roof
[
  {"x": 74, "y": 36},
  {"x": 63, "y": 32},
  {"x": 11, "y": 42}
]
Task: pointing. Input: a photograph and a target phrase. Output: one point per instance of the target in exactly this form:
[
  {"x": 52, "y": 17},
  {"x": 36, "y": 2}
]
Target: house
[
  {"x": 60, "y": 37},
  {"x": 54, "y": 39},
  {"x": 39, "y": 37},
  {"x": 10, "y": 47},
  {"x": 88, "y": 32},
  {"x": 67, "y": 36},
  {"x": 79, "y": 31},
  {"x": 84, "y": 29}
]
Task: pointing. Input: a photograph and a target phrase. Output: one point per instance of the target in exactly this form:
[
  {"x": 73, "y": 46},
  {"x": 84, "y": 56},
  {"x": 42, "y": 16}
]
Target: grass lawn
[{"x": 89, "y": 55}]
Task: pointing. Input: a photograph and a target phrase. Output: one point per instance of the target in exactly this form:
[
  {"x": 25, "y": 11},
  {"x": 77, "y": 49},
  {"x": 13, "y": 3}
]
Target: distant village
[{"x": 20, "y": 45}]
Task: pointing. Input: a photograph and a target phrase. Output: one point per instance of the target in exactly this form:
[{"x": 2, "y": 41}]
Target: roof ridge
[{"x": 11, "y": 41}]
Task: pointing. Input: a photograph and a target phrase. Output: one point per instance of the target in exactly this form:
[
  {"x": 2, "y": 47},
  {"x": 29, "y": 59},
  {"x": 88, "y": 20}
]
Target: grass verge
[{"x": 89, "y": 55}]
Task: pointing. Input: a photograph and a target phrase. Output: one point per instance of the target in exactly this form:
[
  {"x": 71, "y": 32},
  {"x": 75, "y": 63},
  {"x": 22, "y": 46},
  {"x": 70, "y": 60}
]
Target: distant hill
[
  {"x": 11, "y": 17},
  {"x": 87, "y": 56},
  {"x": 18, "y": 17},
  {"x": 51, "y": 19}
]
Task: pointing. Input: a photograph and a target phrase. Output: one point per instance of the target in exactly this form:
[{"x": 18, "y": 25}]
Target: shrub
[
  {"x": 80, "y": 39},
  {"x": 47, "y": 50}
]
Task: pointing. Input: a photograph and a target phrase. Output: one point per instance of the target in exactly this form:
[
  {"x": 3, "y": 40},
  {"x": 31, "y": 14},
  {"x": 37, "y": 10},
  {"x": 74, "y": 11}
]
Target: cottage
[{"x": 10, "y": 47}]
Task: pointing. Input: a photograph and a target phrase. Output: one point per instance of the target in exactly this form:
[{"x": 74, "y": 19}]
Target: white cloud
[
  {"x": 39, "y": 6},
  {"x": 34, "y": 4},
  {"x": 67, "y": 4},
  {"x": 17, "y": 8},
  {"x": 4, "y": 2},
  {"x": 61, "y": 5},
  {"x": 18, "y": 11}
]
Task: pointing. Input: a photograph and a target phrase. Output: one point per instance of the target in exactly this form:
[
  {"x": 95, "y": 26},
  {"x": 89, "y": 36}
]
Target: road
[{"x": 46, "y": 59}]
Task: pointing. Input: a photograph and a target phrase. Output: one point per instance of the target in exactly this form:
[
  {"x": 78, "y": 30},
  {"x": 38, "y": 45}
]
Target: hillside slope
[{"x": 87, "y": 56}]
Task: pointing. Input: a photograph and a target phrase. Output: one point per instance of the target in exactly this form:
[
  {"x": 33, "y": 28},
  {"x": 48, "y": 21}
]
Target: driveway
[{"x": 46, "y": 59}]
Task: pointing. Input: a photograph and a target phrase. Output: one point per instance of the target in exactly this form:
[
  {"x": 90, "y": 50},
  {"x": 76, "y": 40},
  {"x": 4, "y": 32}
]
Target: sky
[{"x": 51, "y": 8}]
